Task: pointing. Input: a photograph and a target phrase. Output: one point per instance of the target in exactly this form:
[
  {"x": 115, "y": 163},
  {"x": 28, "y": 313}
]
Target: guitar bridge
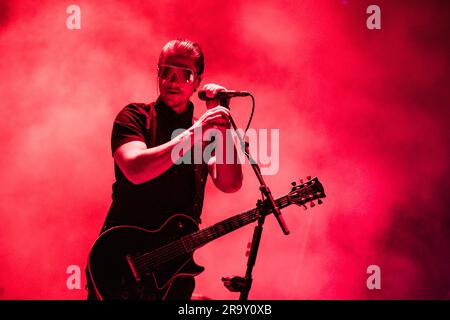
[{"x": 133, "y": 268}]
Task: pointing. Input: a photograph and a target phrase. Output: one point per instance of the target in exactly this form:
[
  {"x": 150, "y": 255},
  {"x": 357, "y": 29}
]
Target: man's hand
[
  {"x": 227, "y": 177},
  {"x": 215, "y": 118},
  {"x": 211, "y": 89}
]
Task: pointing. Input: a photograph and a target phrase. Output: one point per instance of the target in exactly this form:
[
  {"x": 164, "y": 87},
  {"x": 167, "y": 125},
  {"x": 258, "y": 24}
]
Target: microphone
[{"x": 222, "y": 94}]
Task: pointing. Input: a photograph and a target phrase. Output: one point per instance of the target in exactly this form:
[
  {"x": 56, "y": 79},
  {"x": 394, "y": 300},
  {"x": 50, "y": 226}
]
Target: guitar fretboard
[
  {"x": 202, "y": 237},
  {"x": 302, "y": 194}
]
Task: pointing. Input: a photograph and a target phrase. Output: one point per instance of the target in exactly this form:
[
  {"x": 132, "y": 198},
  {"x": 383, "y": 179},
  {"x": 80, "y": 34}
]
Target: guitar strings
[
  {"x": 156, "y": 252},
  {"x": 180, "y": 246},
  {"x": 282, "y": 202},
  {"x": 202, "y": 233},
  {"x": 187, "y": 245},
  {"x": 167, "y": 255}
]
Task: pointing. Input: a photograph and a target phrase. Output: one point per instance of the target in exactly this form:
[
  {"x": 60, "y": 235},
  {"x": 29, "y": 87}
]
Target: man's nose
[{"x": 173, "y": 77}]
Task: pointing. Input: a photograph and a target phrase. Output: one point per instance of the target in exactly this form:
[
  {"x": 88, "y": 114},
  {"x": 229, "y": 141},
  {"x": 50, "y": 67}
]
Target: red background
[{"x": 364, "y": 110}]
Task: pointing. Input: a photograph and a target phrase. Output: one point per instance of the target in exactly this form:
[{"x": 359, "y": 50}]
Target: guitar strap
[{"x": 200, "y": 170}]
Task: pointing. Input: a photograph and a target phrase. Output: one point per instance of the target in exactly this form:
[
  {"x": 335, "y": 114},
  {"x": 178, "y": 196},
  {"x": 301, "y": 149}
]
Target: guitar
[{"x": 128, "y": 262}]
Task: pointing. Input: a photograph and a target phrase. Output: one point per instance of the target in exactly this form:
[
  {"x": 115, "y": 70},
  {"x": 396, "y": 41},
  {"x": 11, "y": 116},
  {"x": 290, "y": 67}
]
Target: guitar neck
[
  {"x": 202, "y": 237},
  {"x": 299, "y": 195}
]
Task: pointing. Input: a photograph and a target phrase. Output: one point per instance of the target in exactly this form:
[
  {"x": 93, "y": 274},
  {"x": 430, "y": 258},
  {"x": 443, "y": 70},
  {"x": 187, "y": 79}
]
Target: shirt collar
[{"x": 163, "y": 110}]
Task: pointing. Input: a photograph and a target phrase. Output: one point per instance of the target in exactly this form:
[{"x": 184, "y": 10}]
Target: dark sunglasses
[{"x": 184, "y": 75}]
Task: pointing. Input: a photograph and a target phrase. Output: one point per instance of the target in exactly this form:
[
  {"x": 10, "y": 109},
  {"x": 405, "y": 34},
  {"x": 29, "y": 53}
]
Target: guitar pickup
[{"x": 133, "y": 268}]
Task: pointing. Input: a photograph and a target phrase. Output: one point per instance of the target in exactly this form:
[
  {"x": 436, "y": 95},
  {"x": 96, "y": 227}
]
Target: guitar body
[{"x": 119, "y": 268}]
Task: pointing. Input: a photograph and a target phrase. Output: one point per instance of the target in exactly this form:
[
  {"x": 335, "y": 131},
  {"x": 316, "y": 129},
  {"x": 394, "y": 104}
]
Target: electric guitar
[{"x": 128, "y": 262}]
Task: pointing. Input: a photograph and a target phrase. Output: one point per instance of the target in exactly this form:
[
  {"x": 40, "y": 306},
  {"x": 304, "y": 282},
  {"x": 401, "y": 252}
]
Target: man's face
[{"x": 177, "y": 80}]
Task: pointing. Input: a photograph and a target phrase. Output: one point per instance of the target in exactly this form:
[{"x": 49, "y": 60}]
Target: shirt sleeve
[{"x": 129, "y": 125}]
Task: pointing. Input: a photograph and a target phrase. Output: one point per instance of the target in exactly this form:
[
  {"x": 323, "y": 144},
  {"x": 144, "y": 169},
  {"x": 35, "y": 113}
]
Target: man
[{"x": 149, "y": 187}]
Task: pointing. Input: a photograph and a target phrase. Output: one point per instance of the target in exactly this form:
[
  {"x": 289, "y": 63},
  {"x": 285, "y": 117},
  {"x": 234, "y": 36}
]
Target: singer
[{"x": 149, "y": 188}]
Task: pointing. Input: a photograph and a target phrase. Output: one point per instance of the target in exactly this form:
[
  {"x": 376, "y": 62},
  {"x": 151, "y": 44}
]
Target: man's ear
[{"x": 197, "y": 83}]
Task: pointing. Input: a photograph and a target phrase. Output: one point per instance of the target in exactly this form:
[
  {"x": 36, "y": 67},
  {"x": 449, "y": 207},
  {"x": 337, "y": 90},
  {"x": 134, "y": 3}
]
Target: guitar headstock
[{"x": 307, "y": 192}]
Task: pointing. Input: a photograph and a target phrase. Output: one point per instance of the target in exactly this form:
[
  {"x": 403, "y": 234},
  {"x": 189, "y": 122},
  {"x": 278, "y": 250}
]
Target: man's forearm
[
  {"x": 149, "y": 163},
  {"x": 228, "y": 174}
]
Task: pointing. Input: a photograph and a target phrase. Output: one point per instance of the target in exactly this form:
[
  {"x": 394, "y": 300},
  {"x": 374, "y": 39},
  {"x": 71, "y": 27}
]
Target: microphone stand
[{"x": 267, "y": 202}]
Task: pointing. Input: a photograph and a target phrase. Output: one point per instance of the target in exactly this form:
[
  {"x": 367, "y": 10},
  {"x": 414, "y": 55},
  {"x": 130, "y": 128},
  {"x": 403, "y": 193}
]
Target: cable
[{"x": 251, "y": 115}]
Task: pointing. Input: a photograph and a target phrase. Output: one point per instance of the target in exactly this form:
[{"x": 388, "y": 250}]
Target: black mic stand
[{"x": 267, "y": 203}]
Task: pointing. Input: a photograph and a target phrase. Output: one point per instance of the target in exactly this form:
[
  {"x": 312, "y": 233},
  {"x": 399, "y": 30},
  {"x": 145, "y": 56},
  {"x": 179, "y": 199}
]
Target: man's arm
[
  {"x": 140, "y": 164},
  {"x": 226, "y": 177}
]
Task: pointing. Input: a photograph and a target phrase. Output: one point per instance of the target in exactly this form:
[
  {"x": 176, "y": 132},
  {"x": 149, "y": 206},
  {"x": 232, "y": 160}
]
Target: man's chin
[{"x": 173, "y": 102}]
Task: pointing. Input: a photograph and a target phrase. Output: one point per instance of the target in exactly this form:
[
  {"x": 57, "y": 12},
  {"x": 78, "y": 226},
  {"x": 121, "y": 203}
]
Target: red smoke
[{"x": 364, "y": 110}]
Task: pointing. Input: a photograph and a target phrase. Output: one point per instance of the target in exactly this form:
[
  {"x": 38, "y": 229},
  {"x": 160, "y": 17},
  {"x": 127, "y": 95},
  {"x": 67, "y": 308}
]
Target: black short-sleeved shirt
[{"x": 176, "y": 190}]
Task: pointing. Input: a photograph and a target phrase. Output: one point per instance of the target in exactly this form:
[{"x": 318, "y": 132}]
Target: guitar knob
[
  {"x": 312, "y": 204},
  {"x": 294, "y": 183},
  {"x": 319, "y": 201},
  {"x": 308, "y": 177},
  {"x": 301, "y": 181}
]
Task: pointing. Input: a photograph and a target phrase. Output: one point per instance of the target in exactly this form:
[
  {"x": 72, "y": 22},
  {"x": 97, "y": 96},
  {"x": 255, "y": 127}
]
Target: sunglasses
[{"x": 184, "y": 75}]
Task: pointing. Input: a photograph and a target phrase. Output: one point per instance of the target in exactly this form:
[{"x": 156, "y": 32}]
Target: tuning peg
[
  {"x": 301, "y": 181},
  {"x": 312, "y": 204},
  {"x": 308, "y": 177},
  {"x": 319, "y": 201},
  {"x": 306, "y": 208},
  {"x": 294, "y": 183}
]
